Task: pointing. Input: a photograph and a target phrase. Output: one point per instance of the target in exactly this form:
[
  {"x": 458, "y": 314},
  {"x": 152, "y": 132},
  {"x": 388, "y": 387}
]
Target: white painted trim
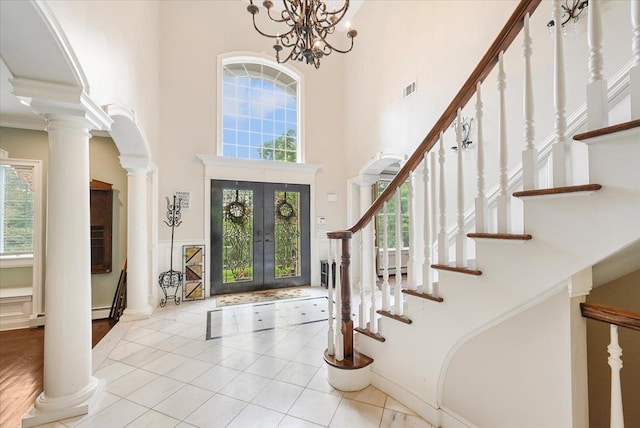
[
  {"x": 213, "y": 165},
  {"x": 48, "y": 98},
  {"x": 100, "y": 313},
  {"x": 22, "y": 260},
  {"x": 261, "y": 58},
  {"x": 38, "y": 228}
]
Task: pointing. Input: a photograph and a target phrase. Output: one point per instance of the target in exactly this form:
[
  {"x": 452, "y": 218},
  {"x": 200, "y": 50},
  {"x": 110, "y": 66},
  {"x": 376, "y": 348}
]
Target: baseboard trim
[{"x": 436, "y": 416}]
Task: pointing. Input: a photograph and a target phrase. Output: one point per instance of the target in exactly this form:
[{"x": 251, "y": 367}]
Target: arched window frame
[{"x": 249, "y": 57}]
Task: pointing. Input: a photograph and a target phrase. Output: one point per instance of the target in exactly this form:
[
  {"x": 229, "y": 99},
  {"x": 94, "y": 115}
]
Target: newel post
[{"x": 345, "y": 290}]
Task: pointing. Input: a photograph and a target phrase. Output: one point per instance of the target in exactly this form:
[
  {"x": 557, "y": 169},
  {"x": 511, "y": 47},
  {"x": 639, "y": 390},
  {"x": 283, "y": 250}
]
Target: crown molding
[{"x": 48, "y": 99}]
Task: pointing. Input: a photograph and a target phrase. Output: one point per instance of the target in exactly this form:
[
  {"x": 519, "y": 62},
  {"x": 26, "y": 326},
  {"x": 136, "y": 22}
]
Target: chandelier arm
[
  {"x": 294, "y": 16},
  {"x": 271, "y": 36},
  {"x": 342, "y": 10},
  {"x": 276, "y": 19},
  {"x": 334, "y": 48}
]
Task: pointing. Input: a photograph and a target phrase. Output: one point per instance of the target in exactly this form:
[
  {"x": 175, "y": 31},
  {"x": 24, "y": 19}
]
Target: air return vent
[{"x": 409, "y": 89}]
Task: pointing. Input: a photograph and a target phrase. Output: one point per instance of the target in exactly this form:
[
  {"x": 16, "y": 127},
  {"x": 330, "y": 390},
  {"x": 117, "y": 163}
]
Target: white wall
[{"x": 501, "y": 377}]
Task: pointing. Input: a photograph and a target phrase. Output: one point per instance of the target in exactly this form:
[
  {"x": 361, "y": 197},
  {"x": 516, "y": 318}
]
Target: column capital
[
  {"x": 581, "y": 283},
  {"x": 135, "y": 164},
  {"x": 366, "y": 180},
  {"x": 62, "y": 103}
]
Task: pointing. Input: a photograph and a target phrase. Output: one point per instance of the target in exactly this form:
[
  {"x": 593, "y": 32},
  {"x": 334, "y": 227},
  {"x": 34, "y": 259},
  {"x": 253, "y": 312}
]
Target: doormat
[
  {"x": 261, "y": 296},
  {"x": 234, "y": 320}
]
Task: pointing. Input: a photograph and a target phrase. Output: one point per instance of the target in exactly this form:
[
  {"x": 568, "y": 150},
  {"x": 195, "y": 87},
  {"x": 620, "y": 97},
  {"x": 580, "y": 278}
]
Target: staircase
[{"x": 497, "y": 340}]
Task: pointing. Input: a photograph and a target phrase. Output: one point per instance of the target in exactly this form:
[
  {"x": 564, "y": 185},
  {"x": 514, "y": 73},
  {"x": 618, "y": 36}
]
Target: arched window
[{"x": 260, "y": 116}]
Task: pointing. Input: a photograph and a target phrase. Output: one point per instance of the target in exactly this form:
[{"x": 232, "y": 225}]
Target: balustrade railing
[{"x": 429, "y": 229}]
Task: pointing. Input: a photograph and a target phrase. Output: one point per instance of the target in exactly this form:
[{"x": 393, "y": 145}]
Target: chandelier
[
  {"x": 570, "y": 11},
  {"x": 309, "y": 24}
]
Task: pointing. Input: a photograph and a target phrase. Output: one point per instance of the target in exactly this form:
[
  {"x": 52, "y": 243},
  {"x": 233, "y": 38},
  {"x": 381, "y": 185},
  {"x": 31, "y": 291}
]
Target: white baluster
[
  {"x": 434, "y": 200},
  {"x": 398, "y": 307},
  {"x": 385, "y": 259},
  {"x": 373, "y": 325},
  {"x": 411, "y": 260},
  {"x": 427, "y": 277},
  {"x": 331, "y": 332},
  {"x": 339, "y": 346},
  {"x": 503, "y": 200},
  {"x": 615, "y": 362},
  {"x": 561, "y": 169},
  {"x": 461, "y": 238},
  {"x": 530, "y": 153},
  {"x": 362, "y": 319},
  {"x": 443, "y": 243},
  {"x": 482, "y": 214},
  {"x": 597, "y": 104},
  {"x": 635, "y": 50}
]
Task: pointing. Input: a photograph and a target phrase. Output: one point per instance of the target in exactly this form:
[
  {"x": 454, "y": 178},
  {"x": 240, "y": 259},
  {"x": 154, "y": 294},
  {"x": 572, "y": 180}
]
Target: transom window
[{"x": 260, "y": 114}]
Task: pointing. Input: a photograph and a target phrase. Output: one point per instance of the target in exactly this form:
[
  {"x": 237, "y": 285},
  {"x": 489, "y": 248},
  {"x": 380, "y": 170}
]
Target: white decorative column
[
  {"x": 68, "y": 380},
  {"x": 137, "y": 241}
]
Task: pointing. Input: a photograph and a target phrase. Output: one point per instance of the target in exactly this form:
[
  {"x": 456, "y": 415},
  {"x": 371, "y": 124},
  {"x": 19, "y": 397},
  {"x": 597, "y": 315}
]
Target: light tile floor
[{"x": 162, "y": 372}]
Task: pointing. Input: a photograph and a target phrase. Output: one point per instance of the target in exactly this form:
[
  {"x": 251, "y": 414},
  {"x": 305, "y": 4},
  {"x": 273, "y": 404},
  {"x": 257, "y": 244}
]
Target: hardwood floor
[{"x": 21, "y": 368}]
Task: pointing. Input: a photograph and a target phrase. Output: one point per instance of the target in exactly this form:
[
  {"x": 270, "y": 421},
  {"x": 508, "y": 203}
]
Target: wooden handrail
[
  {"x": 508, "y": 34},
  {"x": 611, "y": 315}
]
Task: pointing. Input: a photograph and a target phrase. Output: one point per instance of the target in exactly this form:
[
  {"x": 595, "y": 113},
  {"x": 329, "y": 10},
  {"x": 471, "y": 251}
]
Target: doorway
[{"x": 260, "y": 236}]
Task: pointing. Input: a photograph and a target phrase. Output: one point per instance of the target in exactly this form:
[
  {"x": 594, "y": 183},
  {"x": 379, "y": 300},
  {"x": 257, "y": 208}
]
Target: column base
[
  {"x": 47, "y": 409},
  {"x": 351, "y": 374},
  {"x": 136, "y": 314}
]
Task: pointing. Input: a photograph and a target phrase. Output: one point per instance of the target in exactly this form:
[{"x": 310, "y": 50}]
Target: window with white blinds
[{"x": 16, "y": 210}]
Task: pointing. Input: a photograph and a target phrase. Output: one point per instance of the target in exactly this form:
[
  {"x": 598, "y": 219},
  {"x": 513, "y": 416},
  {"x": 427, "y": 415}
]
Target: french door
[{"x": 259, "y": 236}]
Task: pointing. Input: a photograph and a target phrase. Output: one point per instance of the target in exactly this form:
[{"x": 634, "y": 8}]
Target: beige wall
[
  {"x": 516, "y": 374},
  {"x": 188, "y": 95},
  {"x": 117, "y": 44},
  {"x": 104, "y": 166},
  {"x": 623, "y": 293}
]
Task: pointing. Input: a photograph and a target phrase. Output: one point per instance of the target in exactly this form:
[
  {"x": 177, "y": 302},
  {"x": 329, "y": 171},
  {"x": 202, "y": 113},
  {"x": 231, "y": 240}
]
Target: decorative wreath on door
[
  {"x": 236, "y": 211},
  {"x": 284, "y": 210}
]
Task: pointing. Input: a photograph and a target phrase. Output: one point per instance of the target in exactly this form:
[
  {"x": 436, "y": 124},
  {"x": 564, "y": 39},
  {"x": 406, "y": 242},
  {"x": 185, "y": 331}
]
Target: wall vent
[{"x": 409, "y": 89}]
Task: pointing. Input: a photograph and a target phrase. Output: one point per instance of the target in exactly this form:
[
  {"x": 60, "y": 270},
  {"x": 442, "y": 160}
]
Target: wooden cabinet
[{"x": 101, "y": 226}]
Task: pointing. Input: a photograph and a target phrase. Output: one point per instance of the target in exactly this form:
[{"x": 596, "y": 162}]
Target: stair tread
[
  {"x": 509, "y": 236},
  {"x": 369, "y": 333},
  {"x": 464, "y": 270},
  {"x": 356, "y": 361},
  {"x": 400, "y": 318},
  {"x": 427, "y": 296},
  {"x": 607, "y": 130},
  {"x": 558, "y": 190}
]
